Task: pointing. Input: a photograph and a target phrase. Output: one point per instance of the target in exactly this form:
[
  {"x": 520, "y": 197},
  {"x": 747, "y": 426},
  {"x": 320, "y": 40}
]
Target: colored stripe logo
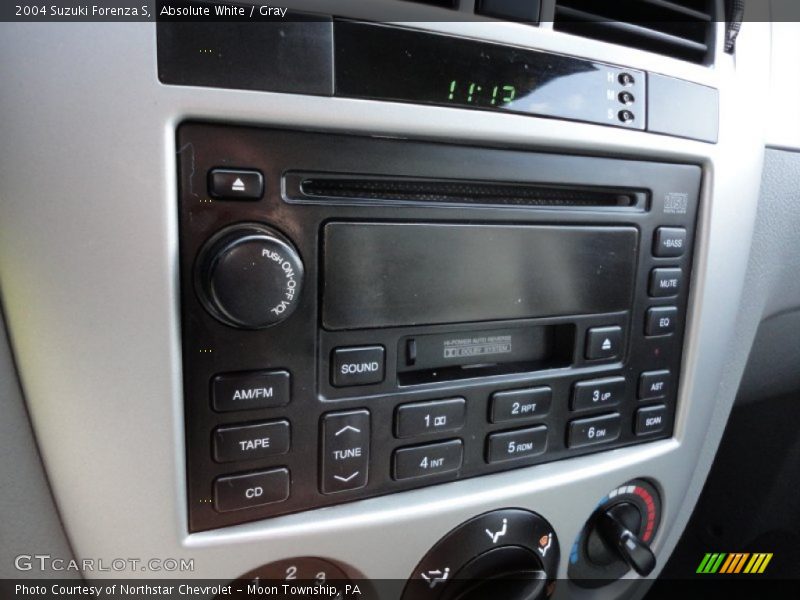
[{"x": 734, "y": 563}]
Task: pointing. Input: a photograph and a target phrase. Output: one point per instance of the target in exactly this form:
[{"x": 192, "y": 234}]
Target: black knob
[
  {"x": 615, "y": 527},
  {"x": 249, "y": 276},
  {"x": 509, "y": 572}
]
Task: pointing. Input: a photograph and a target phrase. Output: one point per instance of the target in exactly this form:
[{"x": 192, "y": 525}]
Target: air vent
[{"x": 682, "y": 29}]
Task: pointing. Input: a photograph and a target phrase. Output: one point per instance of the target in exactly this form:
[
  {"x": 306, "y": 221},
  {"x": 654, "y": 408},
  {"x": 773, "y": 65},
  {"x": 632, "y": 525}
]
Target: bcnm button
[{"x": 246, "y": 391}]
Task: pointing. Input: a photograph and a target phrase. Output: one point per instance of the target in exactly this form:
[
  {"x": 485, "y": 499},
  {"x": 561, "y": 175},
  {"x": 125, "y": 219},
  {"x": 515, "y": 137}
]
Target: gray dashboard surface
[
  {"x": 772, "y": 368},
  {"x": 29, "y": 521}
]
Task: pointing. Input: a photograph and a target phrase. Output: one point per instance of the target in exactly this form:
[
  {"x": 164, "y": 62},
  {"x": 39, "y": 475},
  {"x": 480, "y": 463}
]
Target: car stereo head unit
[{"x": 364, "y": 316}]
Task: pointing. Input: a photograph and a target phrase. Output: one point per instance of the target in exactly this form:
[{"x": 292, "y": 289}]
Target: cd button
[{"x": 251, "y": 489}]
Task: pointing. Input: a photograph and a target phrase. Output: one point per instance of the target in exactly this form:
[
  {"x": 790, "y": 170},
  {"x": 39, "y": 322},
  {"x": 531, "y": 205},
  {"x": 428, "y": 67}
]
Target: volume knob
[{"x": 249, "y": 276}]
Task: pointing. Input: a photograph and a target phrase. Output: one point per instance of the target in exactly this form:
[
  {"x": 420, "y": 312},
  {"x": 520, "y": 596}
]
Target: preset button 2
[
  {"x": 345, "y": 451},
  {"x": 519, "y": 405}
]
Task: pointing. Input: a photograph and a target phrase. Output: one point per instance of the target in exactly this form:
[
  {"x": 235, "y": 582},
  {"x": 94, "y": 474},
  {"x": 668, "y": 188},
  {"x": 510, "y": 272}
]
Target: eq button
[
  {"x": 345, "y": 451},
  {"x": 660, "y": 320}
]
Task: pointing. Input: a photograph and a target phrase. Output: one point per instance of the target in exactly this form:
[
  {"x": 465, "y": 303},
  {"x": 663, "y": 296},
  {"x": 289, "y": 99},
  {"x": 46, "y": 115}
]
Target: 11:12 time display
[{"x": 470, "y": 92}]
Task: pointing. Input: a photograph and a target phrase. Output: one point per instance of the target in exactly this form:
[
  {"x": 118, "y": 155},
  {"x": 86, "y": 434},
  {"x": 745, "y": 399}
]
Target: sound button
[{"x": 363, "y": 365}]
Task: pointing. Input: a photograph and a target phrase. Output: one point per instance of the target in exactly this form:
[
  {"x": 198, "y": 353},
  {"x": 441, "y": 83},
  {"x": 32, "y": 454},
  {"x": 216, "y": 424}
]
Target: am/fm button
[{"x": 251, "y": 390}]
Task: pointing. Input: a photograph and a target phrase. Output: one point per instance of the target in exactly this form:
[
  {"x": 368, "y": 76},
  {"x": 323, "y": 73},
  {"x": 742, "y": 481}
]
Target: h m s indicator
[{"x": 383, "y": 62}]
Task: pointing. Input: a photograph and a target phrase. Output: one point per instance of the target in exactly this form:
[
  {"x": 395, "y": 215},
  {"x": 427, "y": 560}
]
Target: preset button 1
[
  {"x": 430, "y": 417},
  {"x": 345, "y": 451}
]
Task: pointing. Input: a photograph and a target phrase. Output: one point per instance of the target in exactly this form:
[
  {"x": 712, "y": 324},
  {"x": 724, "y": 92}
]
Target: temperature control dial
[
  {"x": 249, "y": 276},
  {"x": 617, "y": 536}
]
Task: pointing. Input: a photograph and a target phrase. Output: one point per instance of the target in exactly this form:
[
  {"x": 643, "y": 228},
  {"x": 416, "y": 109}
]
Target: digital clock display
[{"x": 392, "y": 63}]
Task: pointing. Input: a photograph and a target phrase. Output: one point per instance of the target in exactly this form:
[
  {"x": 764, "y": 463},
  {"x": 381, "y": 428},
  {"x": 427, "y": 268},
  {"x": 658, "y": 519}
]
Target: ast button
[
  {"x": 660, "y": 320},
  {"x": 665, "y": 282},
  {"x": 235, "y": 184},
  {"x": 246, "y": 442},
  {"x": 596, "y": 430},
  {"x": 357, "y": 366},
  {"x": 669, "y": 242},
  {"x": 518, "y": 405},
  {"x": 246, "y": 391},
  {"x": 430, "y": 417},
  {"x": 654, "y": 385},
  {"x": 251, "y": 489},
  {"x": 345, "y": 451},
  {"x": 652, "y": 419},
  {"x": 431, "y": 459},
  {"x": 512, "y": 445},
  {"x": 603, "y": 342},
  {"x": 598, "y": 393}
]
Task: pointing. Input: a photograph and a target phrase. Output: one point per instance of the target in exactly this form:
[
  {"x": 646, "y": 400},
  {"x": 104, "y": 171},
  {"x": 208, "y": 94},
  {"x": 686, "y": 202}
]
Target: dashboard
[{"x": 426, "y": 297}]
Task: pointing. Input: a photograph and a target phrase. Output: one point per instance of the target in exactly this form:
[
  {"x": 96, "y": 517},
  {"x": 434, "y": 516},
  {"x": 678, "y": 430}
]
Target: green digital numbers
[{"x": 473, "y": 94}]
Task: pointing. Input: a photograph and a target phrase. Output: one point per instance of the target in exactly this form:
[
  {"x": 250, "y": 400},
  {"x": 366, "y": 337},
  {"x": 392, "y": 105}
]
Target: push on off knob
[{"x": 249, "y": 276}]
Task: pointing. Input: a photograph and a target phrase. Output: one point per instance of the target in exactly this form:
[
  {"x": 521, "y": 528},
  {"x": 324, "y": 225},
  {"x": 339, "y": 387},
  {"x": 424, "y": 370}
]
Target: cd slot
[{"x": 370, "y": 189}]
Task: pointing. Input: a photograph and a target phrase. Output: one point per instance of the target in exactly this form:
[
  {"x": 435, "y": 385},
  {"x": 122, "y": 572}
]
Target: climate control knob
[{"x": 249, "y": 276}]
